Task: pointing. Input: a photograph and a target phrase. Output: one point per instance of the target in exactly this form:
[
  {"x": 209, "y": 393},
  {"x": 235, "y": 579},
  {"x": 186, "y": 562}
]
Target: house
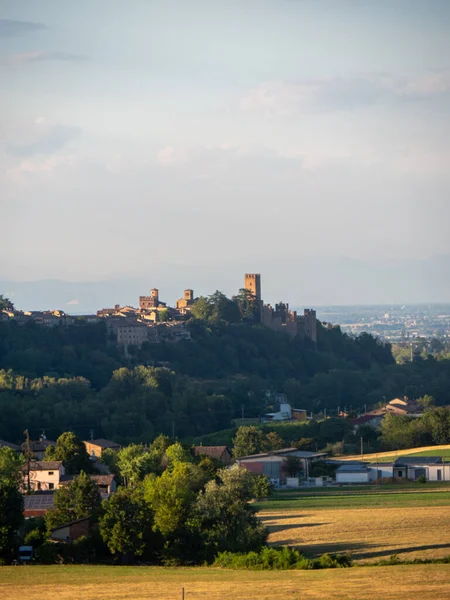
[
  {"x": 273, "y": 464},
  {"x": 36, "y": 505},
  {"x": 353, "y": 473},
  {"x": 70, "y": 532},
  {"x": 38, "y": 447},
  {"x": 372, "y": 419},
  {"x": 432, "y": 468},
  {"x": 96, "y": 447},
  {"x": 106, "y": 483},
  {"x": 221, "y": 453},
  {"x": 45, "y": 475},
  {"x": 4, "y": 444}
]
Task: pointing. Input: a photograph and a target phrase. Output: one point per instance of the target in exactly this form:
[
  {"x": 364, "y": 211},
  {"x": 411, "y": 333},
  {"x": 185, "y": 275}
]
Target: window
[
  {"x": 50, "y": 472},
  {"x": 400, "y": 474},
  {"x": 51, "y": 486},
  {"x": 439, "y": 475}
]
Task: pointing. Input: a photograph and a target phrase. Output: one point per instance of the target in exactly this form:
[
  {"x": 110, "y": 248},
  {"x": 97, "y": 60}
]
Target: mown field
[
  {"x": 391, "y": 456},
  {"x": 401, "y": 582},
  {"x": 370, "y": 523}
]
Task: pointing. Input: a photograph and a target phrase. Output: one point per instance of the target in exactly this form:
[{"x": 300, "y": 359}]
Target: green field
[
  {"x": 368, "y": 497},
  {"x": 402, "y": 582}
]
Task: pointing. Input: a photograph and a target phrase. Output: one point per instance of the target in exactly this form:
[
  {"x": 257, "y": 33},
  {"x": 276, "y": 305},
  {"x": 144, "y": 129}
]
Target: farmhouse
[
  {"x": 95, "y": 447},
  {"x": 45, "y": 475},
  {"x": 106, "y": 483},
  {"x": 274, "y": 464}
]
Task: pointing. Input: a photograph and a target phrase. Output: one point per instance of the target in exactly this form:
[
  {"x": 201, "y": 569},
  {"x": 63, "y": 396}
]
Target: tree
[
  {"x": 126, "y": 524},
  {"x": 171, "y": 495},
  {"x": 248, "y": 305},
  {"x": 11, "y": 518},
  {"x": 11, "y": 466},
  {"x": 437, "y": 422},
  {"x": 176, "y": 454},
  {"x": 248, "y": 440},
  {"x": 5, "y": 303},
  {"x": 76, "y": 500},
  {"x": 274, "y": 441},
  {"x": 71, "y": 451},
  {"x": 223, "y": 520},
  {"x": 223, "y": 309},
  {"x": 201, "y": 309},
  {"x": 135, "y": 462}
]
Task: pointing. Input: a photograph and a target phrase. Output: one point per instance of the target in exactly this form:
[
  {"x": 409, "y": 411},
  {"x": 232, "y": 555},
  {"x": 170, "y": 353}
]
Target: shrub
[{"x": 279, "y": 559}]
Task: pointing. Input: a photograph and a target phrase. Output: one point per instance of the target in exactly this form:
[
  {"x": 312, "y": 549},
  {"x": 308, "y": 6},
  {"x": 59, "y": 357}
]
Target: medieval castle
[{"x": 281, "y": 318}]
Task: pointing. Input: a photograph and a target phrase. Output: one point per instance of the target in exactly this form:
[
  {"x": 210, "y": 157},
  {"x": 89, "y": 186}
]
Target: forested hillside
[{"x": 75, "y": 378}]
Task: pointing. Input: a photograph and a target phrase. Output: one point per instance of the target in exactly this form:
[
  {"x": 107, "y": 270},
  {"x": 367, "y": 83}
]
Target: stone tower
[
  {"x": 310, "y": 321},
  {"x": 252, "y": 282}
]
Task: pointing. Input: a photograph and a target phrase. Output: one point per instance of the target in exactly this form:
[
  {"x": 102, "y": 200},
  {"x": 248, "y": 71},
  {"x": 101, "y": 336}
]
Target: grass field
[
  {"x": 402, "y": 582},
  {"x": 391, "y": 456},
  {"x": 370, "y": 523}
]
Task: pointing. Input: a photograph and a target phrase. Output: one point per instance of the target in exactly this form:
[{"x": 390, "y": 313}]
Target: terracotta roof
[
  {"x": 102, "y": 443},
  {"x": 43, "y": 465},
  {"x": 211, "y": 451}
]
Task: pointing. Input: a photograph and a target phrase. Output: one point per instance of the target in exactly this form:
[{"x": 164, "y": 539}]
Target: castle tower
[
  {"x": 188, "y": 294},
  {"x": 252, "y": 282},
  {"x": 310, "y": 321},
  {"x": 154, "y": 293}
]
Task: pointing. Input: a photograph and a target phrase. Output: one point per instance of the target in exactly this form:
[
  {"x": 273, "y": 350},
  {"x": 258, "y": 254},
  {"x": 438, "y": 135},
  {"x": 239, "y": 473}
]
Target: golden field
[
  {"x": 370, "y": 534},
  {"x": 402, "y": 582}
]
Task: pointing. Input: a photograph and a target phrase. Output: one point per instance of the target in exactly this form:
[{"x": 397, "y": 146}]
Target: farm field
[
  {"x": 382, "y": 496},
  {"x": 391, "y": 456},
  {"x": 401, "y": 582},
  {"x": 369, "y": 523}
]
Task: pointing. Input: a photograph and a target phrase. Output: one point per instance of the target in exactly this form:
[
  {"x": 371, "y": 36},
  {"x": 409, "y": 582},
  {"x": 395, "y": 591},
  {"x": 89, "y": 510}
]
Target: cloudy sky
[{"x": 155, "y": 138}]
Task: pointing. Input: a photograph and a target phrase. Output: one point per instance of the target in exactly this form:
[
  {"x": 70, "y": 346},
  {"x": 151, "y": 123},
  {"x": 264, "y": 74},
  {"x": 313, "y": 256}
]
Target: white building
[
  {"x": 45, "y": 475},
  {"x": 353, "y": 473}
]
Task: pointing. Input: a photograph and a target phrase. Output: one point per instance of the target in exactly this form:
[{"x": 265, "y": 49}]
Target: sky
[{"x": 167, "y": 140}]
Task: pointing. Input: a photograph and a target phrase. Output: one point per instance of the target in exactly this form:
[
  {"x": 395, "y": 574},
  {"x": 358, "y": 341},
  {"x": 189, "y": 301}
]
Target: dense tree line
[
  {"x": 171, "y": 507},
  {"x": 61, "y": 378}
]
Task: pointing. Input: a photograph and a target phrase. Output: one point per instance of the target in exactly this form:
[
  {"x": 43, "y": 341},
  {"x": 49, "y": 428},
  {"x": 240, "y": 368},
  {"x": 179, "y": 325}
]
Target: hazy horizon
[{"x": 180, "y": 144}]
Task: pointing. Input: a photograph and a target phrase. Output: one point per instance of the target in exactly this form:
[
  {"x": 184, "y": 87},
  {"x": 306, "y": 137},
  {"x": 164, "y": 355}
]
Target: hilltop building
[
  {"x": 281, "y": 318},
  {"x": 184, "y": 304}
]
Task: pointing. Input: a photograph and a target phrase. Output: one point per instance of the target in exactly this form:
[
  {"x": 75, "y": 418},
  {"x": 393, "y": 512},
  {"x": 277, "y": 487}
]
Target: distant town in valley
[{"x": 393, "y": 323}]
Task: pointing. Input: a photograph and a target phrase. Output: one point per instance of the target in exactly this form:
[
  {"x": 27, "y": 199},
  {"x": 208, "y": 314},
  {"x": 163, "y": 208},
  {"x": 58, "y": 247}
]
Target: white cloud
[
  {"x": 73, "y": 302},
  {"x": 284, "y": 98}
]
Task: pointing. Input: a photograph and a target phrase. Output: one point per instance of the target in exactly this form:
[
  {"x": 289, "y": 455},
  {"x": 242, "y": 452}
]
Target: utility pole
[
  {"x": 91, "y": 434},
  {"x": 362, "y": 448},
  {"x": 411, "y": 351},
  {"x": 28, "y": 456}
]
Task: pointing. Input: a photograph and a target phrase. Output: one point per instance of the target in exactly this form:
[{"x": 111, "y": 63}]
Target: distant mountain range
[{"x": 299, "y": 281}]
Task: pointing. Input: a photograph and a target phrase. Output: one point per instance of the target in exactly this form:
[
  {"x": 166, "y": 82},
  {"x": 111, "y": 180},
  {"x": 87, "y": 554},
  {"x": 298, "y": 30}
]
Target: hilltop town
[{"x": 154, "y": 320}]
